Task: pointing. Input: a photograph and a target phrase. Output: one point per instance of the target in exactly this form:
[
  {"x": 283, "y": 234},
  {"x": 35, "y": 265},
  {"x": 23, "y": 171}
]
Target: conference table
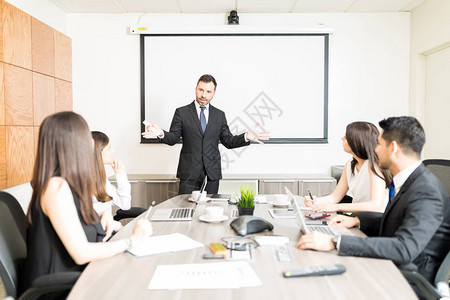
[{"x": 126, "y": 276}]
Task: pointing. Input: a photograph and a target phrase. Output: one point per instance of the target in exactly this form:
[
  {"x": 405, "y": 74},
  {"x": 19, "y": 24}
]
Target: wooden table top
[{"x": 125, "y": 276}]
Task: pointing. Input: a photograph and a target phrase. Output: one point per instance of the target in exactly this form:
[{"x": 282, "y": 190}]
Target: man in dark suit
[
  {"x": 415, "y": 228},
  {"x": 201, "y": 126}
]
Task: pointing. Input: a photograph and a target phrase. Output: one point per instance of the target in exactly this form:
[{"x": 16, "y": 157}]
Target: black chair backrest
[
  {"x": 443, "y": 274},
  {"x": 440, "y": 168},
  {"x": 13, "y": 249}
]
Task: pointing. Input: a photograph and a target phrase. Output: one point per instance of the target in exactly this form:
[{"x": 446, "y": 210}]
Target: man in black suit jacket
[
  {"x": 415, "y": 228},
  {"x": 200, "y": 154}
]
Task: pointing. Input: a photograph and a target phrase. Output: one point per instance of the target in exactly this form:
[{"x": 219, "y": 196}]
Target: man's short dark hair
[
  {"x": 208, "y": 78},
  {"x": 406, "y": 131}
]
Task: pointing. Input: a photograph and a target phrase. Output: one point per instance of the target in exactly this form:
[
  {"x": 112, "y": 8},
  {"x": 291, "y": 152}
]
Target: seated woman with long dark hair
[
  {"x": 362, "y": 176},
  {"x": 65, "y": 232},
  {"x": 106, "y": 194}
]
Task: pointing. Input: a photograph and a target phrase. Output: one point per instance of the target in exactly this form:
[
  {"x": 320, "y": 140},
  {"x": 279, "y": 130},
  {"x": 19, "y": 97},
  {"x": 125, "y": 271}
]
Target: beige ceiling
[{"x": 243, "y": 6}]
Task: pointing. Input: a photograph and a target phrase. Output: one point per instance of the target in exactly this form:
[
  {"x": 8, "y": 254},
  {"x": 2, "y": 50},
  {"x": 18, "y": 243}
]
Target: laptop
[
  {"x": 177, "y": 214},
  {"x": 307, "y": 228}
]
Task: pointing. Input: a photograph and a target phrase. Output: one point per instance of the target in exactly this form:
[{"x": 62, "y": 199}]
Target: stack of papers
[
  {"x": 223, "y": 275},
  {"x": 165, "y": 243}
]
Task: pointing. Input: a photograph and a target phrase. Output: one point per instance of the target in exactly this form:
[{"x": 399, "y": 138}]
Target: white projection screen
[{"x": 279, "y": 81}]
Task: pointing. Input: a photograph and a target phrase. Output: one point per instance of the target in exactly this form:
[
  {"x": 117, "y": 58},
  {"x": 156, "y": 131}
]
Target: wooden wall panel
[
  {"x": 16, "y": 36},
  {"x": 19, "y": 154},
  {"x": 63, "y": 95},
  {"x": 43, "y": 97},
  {"x": 2, "y": 157},
  {"x": 35, "y": 81},
  {"x": 18, "y": 95},
  {"x": 36, "y": 139},
  {"x": 2, "y": 96},
  {"x": 63, "y": 56},
  {"x": 43, "y": 47},
  {"x": 1, "y": 30}
]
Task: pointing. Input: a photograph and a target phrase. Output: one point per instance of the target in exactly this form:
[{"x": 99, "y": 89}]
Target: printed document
[
  {"x": 221, "y": 275},
  {"x": 165, "y": 243}
]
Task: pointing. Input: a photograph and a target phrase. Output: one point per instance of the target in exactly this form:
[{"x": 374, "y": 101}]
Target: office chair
[
  {"x": 440, "y": 168},
  {"x": 441, "y": 280},
  {"x": 440, "y": 289},
  {"x": 13, "y": 252},
  {"x": 133, "y": 212}
]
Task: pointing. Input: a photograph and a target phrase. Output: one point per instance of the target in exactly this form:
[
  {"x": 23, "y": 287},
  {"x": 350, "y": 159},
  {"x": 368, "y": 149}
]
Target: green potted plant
[{"x": 246, "y": 201}]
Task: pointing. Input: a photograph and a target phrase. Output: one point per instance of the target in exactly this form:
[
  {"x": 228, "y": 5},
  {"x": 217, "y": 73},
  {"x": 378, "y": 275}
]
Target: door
[{"x": 437, "y": 105}]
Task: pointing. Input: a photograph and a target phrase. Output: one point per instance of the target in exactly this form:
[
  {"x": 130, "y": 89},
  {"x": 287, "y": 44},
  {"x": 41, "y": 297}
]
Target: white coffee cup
[
  {"x": 197, "y": 197},
  {"x": 214, "y": 212},
  {"x": 280, "y": 199}
]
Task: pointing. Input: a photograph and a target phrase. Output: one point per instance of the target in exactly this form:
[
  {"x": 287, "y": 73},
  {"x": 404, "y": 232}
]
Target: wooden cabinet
[
  {"x": 160, "y": 187},
  {"x": 299, "y": 186},
  {"x": 159, "y": 190},
  {"x": 277, "y": 186},
  {"x": 318, "y": 187},
  {"x": 143, "y": 192}
]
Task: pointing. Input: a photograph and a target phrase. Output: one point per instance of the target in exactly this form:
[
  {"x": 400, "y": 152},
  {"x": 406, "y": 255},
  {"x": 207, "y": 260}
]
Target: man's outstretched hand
[
  {"x": 152, "y": 131},
  {"x": 257, "y": 135}
]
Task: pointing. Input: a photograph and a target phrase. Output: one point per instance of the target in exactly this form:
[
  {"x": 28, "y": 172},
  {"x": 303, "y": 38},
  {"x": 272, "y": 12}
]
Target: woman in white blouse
[
  {"x": 106, "y": 194},
  {"x": 362, "y": 176}
]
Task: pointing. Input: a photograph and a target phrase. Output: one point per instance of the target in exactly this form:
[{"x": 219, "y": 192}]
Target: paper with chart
[
  {"x": 221, "y": 275},
  {"x": 165, "y": 243}
]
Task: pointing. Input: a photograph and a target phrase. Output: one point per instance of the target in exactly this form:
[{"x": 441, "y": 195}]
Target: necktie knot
[{"x": 202, "y": 108}]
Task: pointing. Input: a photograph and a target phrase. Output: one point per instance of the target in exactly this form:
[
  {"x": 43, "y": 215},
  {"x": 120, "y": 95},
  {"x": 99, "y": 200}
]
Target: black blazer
[
  {"x": 200, "y": 151},
  {"x": 414, "y": 229}
]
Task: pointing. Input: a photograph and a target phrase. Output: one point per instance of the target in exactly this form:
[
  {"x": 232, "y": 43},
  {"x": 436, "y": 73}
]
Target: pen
[
  {"x": 149, "y": 210},
  {"x": 310, "y": 195}
]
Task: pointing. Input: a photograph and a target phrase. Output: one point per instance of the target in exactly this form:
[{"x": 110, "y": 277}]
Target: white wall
[
  {"x": 368, "y": 80},
  {"x": 44, "y": 11}
]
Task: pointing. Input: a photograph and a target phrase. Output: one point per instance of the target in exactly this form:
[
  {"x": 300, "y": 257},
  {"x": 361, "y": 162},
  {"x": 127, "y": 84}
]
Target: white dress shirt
[
  {"x": 121, "y": 196},
  {"x": 403, "y": 175}
]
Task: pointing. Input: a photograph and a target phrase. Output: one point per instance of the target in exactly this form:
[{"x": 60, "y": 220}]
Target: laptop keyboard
[
  {"x": 179, "y": 213},
  {"x": 324, "y": 229}
]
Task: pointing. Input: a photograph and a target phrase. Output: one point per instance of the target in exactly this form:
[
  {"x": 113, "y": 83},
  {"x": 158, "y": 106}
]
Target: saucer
[
  {"x": 280, "y": 204},
  {"x": 205, "y": 218}
]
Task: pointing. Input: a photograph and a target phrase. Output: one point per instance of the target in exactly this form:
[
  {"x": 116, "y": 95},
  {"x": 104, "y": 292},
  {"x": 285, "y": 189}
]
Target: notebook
[
  {"x": 176, "y": 214},
  {"x": 331, "y": 230}
]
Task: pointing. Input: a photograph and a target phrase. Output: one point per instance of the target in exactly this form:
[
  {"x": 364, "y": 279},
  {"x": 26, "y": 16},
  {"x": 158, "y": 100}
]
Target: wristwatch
[{"x": 336, "y": 241}]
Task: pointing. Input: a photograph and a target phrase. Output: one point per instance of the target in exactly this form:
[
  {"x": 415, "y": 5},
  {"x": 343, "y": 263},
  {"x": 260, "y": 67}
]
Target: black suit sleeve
[
  {"x": 369, "y": 222},
  {"x": 176, "y": 130},
  {"x": 422, "y": 217},
  {"x": 229, "y": 140}
]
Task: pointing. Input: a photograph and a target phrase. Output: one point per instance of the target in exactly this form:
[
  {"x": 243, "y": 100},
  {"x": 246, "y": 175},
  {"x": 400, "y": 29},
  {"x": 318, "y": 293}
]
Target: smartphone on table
[{"x": 316, "y": 216}]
